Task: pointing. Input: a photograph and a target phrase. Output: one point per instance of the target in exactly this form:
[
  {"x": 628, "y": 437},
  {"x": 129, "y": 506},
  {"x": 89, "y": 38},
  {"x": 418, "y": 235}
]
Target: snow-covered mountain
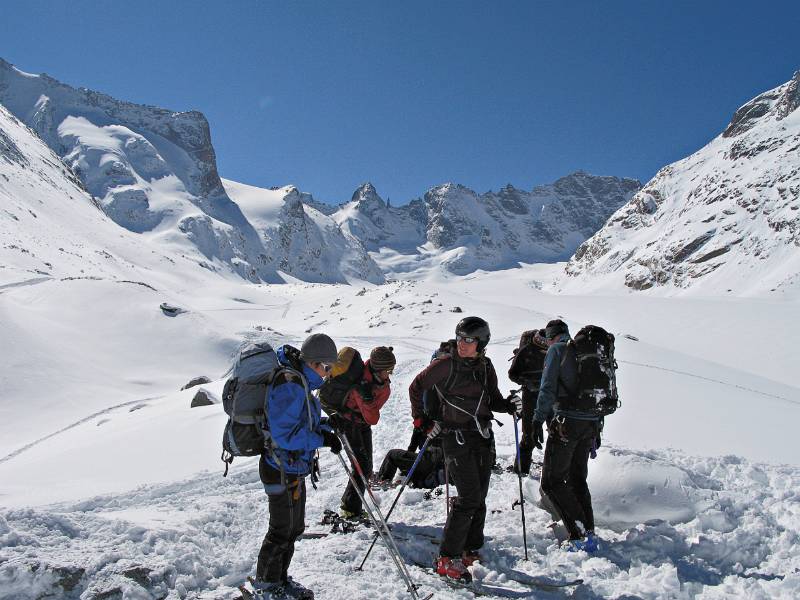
[
  {"x": 153, "y": 171},
  {"x": 51, "y": 228},
  {"x": 725, "y": 219},
  {"x": 454, "y": 228}
]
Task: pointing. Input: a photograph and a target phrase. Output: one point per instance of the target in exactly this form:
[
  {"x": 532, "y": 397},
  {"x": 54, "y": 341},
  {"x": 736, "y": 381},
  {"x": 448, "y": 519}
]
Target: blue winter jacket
[
  {"x": 293, "y": 414},
  {"x": 559, "y": 379}
]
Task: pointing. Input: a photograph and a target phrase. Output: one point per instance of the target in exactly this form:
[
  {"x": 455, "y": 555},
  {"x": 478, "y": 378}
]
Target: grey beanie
[{"x": 318, "y": 347}]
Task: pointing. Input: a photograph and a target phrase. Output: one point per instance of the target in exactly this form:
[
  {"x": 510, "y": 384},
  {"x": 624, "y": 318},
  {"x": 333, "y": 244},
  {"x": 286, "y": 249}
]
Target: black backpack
[
  {"x": 593, "y": 348},
  {"x": 527, "y": 362},
  {"x": 347, "y": 374}
]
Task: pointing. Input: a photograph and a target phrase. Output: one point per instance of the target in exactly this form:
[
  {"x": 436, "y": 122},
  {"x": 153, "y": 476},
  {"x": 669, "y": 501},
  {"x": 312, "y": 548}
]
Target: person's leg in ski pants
[
  {"x": 360, "y": 438},
  {"x": 286, "y": 522},
  {"x": 470, "y": 467},
  {"x": 566, "y": 458},
  {"x": 526, "y": 441}
]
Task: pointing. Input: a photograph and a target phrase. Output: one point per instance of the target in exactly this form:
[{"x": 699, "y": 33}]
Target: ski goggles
[{"x": 466, "y": 339}]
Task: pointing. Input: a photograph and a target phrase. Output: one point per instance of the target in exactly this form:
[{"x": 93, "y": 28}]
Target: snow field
[{"x": 121, "y": 495}]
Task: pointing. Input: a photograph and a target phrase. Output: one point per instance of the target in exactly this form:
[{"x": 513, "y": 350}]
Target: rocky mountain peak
[
  {"x": 367, "y": 195},
  {"x": 777, "y": 103},
  {"x": 723, "y": 220}
]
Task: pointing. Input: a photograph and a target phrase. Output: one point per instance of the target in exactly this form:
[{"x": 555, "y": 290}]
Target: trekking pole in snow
[
  {"x": 375, "y": 515},
  {"x": 396, "y": 498},
  {"x": 521, "y": 499}
]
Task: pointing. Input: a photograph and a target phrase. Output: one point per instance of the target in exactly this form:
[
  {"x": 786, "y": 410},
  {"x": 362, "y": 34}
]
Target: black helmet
[{"x": 474, "y": 327}]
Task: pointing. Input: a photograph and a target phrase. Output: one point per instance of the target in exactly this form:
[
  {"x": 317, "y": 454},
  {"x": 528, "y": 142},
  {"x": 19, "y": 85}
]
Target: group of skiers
[{"x": 453, "y": 401}]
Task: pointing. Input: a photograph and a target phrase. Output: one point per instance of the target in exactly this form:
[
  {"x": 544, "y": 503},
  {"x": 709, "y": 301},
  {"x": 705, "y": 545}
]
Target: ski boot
[
  {"x": 573, "y": 545},
  {"x": 355, "y": 517},
  {"x": 470, "y": 557},
  {"x": 591, "y": 544},
  {"x": 294, "y": 590},
  {"x": 263, "y": 590},
  {"x": 453, "y": 568}
]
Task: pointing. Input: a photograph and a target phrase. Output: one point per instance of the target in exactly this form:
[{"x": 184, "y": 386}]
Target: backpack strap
[{"x": 570, "y": 394}]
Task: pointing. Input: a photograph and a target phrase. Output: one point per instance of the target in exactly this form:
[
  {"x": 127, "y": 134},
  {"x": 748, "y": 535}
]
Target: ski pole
[
  {"x": 377, "y": 516},
  {"x": 521, "y": 499},
  {"x": 396, "y": 498},
  {"x": 446, "y": 488}
]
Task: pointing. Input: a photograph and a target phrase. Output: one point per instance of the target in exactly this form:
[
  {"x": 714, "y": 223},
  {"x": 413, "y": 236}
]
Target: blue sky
[{"x": 327, "y": 95}]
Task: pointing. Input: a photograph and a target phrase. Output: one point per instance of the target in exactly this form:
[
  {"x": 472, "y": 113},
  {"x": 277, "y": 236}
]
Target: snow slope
[
  {"x": 111, "y": 483},
  {"x": 725, "y": 220},
  {"x": 153, "y": 171},
  {"x": 691, "y": 495}
]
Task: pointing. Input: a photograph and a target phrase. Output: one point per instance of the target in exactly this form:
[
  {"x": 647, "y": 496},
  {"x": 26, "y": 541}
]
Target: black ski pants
[
  {"x": 564, "y": 491},
  {"x": 403, "y": 460},
  {"x": 469, "y": 466},
  {"x": 526, "y": 441},
  {"x": 360, "y": 438},
  {"x": 287, "y": 513}
]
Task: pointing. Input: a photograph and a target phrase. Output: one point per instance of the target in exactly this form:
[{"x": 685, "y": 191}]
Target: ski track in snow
[
  {"x": 35, "y": 281},
  {"x": 696, "y": 376},
  {"x": 94, "y": 415}
]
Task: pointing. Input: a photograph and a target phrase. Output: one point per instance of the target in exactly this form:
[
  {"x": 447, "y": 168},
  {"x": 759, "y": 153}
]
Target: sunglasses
[
  {"x": 466, "y": 339},
  {"x": 327, "y": 367}
]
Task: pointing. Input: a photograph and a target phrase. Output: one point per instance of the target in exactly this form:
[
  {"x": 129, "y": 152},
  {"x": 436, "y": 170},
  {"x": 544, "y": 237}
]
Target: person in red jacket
[{"x": 362, "y": 408}]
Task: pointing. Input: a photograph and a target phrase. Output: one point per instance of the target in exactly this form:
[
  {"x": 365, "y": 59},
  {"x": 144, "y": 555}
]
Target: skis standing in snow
[
  {"x": 465, "y": 385},
  {"x": 572, "y": 436},
  {"x": 296, "y": 431}
]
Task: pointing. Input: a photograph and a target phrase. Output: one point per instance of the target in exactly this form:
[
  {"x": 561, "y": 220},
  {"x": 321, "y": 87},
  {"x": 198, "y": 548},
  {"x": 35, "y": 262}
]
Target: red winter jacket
[{"x": 367, "y": 410}]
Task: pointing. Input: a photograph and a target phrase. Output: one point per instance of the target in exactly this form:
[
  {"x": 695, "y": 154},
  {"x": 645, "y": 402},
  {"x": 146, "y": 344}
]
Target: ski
[
  {"x": 475, "y": 587},
  {"x": 540, "y": 583}
]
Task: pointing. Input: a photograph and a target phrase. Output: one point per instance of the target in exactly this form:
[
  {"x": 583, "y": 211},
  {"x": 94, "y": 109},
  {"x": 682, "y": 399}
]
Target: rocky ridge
[
  {"x": 153, "y": 171},
  {"x": 724, "y": 220}
]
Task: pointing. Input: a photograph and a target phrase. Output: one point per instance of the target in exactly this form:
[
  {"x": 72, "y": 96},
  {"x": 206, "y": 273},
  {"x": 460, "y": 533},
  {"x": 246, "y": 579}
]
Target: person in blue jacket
[
  {"x": 571, "y": 436},
  {"x": 297, "y": 431}
]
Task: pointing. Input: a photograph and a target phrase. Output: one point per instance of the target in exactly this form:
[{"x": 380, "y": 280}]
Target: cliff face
[
  {"x": 724, "y": 220},
  {"x": 154, "y": 172}
]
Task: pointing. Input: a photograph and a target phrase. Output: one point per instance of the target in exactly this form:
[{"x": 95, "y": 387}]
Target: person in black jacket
[
  {"x": 465, "y": 385},
  {"x": 526, "y": 370},
  {"x": 572, "y": 434}
]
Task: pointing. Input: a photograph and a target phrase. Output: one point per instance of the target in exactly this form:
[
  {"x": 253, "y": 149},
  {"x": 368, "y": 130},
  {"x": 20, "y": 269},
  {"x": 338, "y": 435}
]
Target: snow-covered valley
[
  {"x": 112, "y": 483},
  {"x": 128, "y": 268}
]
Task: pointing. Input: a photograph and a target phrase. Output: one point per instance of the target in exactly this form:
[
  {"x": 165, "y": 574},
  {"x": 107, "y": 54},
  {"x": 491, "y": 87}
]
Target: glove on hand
[
  {"x": 515, "y": 405},
  {"x": 435, "y": 430},
  {"x": 538, "y": 434},
  {"x": 331, "y": 440}
]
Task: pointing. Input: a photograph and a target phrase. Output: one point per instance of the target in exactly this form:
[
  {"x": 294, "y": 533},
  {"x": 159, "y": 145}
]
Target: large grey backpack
[{"x": 244, "y": 400}]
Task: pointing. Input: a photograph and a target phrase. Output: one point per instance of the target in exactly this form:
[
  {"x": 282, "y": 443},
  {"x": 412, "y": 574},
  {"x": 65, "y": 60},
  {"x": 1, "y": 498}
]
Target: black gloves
[
  {"x": 515, "y": 405},
  {"x": 538, "y": 434},
  {"x": 435, "y": 430},
  {"x": 331, "y": 440}
]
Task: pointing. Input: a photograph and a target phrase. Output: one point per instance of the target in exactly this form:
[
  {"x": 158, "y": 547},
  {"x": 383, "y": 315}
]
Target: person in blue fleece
[{"x": 297, "y": 431}]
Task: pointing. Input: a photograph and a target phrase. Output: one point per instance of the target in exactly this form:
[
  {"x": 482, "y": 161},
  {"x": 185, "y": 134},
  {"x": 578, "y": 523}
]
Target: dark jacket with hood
[
  {"x": 472, "y": 393},
  {"x": 559, "y": 383}
]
